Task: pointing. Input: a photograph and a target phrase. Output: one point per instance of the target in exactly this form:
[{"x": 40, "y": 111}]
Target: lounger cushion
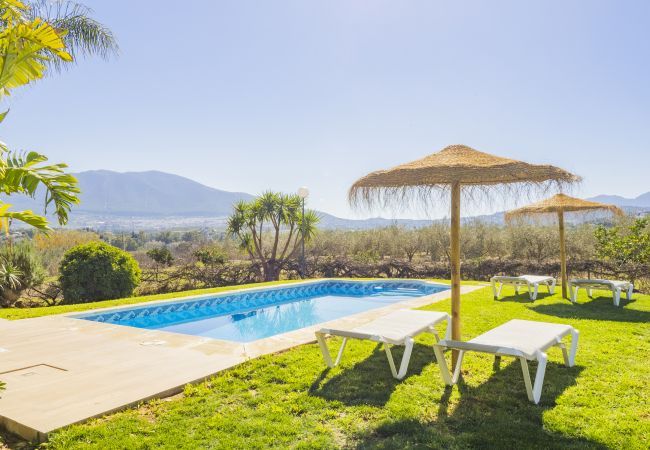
[
  {"x": 532, "y": 279},
  {"x": 610, "y": 283},
  {"x": 397, "y": 326},
  {"x": 524, "y": 335}
]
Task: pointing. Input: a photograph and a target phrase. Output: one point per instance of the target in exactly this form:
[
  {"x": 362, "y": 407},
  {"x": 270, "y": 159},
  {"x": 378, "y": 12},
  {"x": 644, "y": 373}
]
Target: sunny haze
[
  {"x": 311, "y": 224},
  {"x": 250, "y": 96}
]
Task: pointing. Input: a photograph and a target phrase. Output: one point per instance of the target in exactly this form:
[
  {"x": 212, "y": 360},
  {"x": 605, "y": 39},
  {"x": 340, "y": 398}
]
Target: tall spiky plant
[{"x": 270, "y": 229}]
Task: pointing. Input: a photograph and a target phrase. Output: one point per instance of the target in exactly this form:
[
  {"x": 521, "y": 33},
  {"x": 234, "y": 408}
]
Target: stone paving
[{"x": 60, "y": 370}]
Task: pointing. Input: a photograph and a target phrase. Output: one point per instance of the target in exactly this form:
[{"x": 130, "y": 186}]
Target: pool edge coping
[
  {"x": 261, "y": 347},
  {"x": 80, "y": 314}
]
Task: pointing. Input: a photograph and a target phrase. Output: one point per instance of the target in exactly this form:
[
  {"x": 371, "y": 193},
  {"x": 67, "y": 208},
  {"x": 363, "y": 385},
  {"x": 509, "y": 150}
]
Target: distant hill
[
  {"x": 159, "y": 200},
  {"x": 333, "y": 222},
  {"x": 145, "y": 194},
  {"x": 156, "y": 200},
  {"x": 642, "y": 201}
]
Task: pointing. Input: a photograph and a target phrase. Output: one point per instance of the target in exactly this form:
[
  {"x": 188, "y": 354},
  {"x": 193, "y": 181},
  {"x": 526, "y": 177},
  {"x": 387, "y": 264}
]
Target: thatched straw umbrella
[
  {"x": 453, "y": 168},
  {"x": 559, "y": 204}
]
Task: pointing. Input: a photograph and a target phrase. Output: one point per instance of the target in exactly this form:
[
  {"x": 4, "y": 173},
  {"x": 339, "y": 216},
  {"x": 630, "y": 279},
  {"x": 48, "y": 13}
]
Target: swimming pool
[{"x": 259, "y": 313}]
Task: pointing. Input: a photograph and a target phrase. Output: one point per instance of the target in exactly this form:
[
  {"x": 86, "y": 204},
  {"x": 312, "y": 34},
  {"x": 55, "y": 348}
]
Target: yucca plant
[
  {"x": 20, "y": 268},
  {"x": 278, "y": 216},
  {"x": 10, "y": 276}
]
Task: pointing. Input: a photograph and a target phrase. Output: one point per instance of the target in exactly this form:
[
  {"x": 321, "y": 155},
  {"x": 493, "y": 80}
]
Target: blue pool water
[{"x": 255, "y": 314}]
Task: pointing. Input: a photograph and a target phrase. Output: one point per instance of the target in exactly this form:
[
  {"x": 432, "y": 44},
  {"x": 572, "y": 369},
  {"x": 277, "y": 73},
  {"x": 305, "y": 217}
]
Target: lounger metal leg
[
  {"x": 406, "y": 358},
  {"x": 573, "y": 293},
  {"x": 551, "y": 287},
  {"x": 565, "y": 353},
  {"x": 569, "y": 357},
  {"x": 326, "y": 352},
  {"x": 534, "y": 391},
  {"x": 617, "y": 296},
  {"x": 575, "y": 334},
  {"x": 630, "y": 290},
  {"x": 539, "y": 377},
  {"x": 448, "y": 329},
  {"x": 391, "y": 362},
  {"x": 435, "y": 333},
  {"x": 526, "y": 373},
  {"x": 338, "y": 357},
  {"x": 447, "y": 377},
  {"x": 533, "y": 296}
]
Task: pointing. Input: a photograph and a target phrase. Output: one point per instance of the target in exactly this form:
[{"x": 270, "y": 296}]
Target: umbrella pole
[
  {"x": 455, "y": 266},
  {"x": 560, "y": 219}
]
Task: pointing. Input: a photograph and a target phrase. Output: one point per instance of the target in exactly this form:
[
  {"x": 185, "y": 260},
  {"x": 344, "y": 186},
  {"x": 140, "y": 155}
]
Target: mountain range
[
  {"x": 642, "y": 201},
  {"x": 153, "y": 199}
]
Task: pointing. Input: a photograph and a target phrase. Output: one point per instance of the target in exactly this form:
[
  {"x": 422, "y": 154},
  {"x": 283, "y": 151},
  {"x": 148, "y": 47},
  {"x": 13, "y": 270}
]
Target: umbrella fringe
[{"x": 425, "y": 197}]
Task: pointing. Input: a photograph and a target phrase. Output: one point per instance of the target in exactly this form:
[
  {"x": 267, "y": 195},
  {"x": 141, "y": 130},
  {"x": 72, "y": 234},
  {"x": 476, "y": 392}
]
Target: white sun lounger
[
  {"x": 396, "y": 328},
  {"x": 609, "y": 285},
  {"x": 523, "y": 339},
  {"x": 530, "y": 281}
]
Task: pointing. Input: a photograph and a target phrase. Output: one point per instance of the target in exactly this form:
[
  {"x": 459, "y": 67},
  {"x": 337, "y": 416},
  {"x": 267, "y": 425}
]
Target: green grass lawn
[{"x": 290, "y": 400}]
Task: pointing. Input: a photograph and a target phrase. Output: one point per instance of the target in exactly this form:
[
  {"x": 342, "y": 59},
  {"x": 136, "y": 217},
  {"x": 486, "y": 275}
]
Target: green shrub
[
  {"x": 624, "y": 245},
  {"x": 210, "y": 256},
  {"x": 97, "y": 271},
  {"x": 161, "y": 256}
]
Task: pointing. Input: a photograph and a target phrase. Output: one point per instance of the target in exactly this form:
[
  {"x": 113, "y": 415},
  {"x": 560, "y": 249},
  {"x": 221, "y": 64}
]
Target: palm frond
[
  {"x": 25, "y": 49},
  {"x": 83, "y": 35},
  {"x": 24, "y": 174},
  {"x": 27, "y": 216}
]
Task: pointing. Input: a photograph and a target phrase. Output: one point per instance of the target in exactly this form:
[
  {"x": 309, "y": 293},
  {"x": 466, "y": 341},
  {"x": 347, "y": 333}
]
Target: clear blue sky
[{"x": 254, "y": 95}]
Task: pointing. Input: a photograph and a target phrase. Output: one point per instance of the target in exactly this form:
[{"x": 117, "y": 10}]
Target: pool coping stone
[{"x": 61, "y": 370}]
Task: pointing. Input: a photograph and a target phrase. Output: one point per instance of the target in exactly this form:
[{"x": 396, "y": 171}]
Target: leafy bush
[
  {"x": 20, "y": 269},
  {"x": 210, "y": 255},
  {"x": 161, "y": 255},
  {"x": 97, "y": 271},
  {"x": 624, "y": 245}
]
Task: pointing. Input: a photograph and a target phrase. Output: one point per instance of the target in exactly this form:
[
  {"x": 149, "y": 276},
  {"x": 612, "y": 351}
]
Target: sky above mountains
[{"x": 249, "y": 96}]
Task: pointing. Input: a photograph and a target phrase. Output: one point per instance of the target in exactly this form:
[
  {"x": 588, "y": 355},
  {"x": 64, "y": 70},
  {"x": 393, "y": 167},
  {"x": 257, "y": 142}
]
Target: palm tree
[
  {"x": 275, "y": 214},
  {"x": 83, "y": 36},
  {"x": 29, "y": 45},
  {"x": 24, "y": 174}
]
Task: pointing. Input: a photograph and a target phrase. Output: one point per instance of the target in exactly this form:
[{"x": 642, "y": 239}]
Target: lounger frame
[
  {"x": 607, "y": 285},
  {"x": 533, "y": 389},
  {"x": 387, "y": 344},
  {"x": 517, "y": 282}
]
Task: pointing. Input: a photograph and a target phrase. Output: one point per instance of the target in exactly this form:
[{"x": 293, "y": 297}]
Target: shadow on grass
[
  {"x": 495, "y": 414},
  {"x": 523, "y": 298},
  {"x": 370, "y": 382},
  {"x": 599, "y": 308}
]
